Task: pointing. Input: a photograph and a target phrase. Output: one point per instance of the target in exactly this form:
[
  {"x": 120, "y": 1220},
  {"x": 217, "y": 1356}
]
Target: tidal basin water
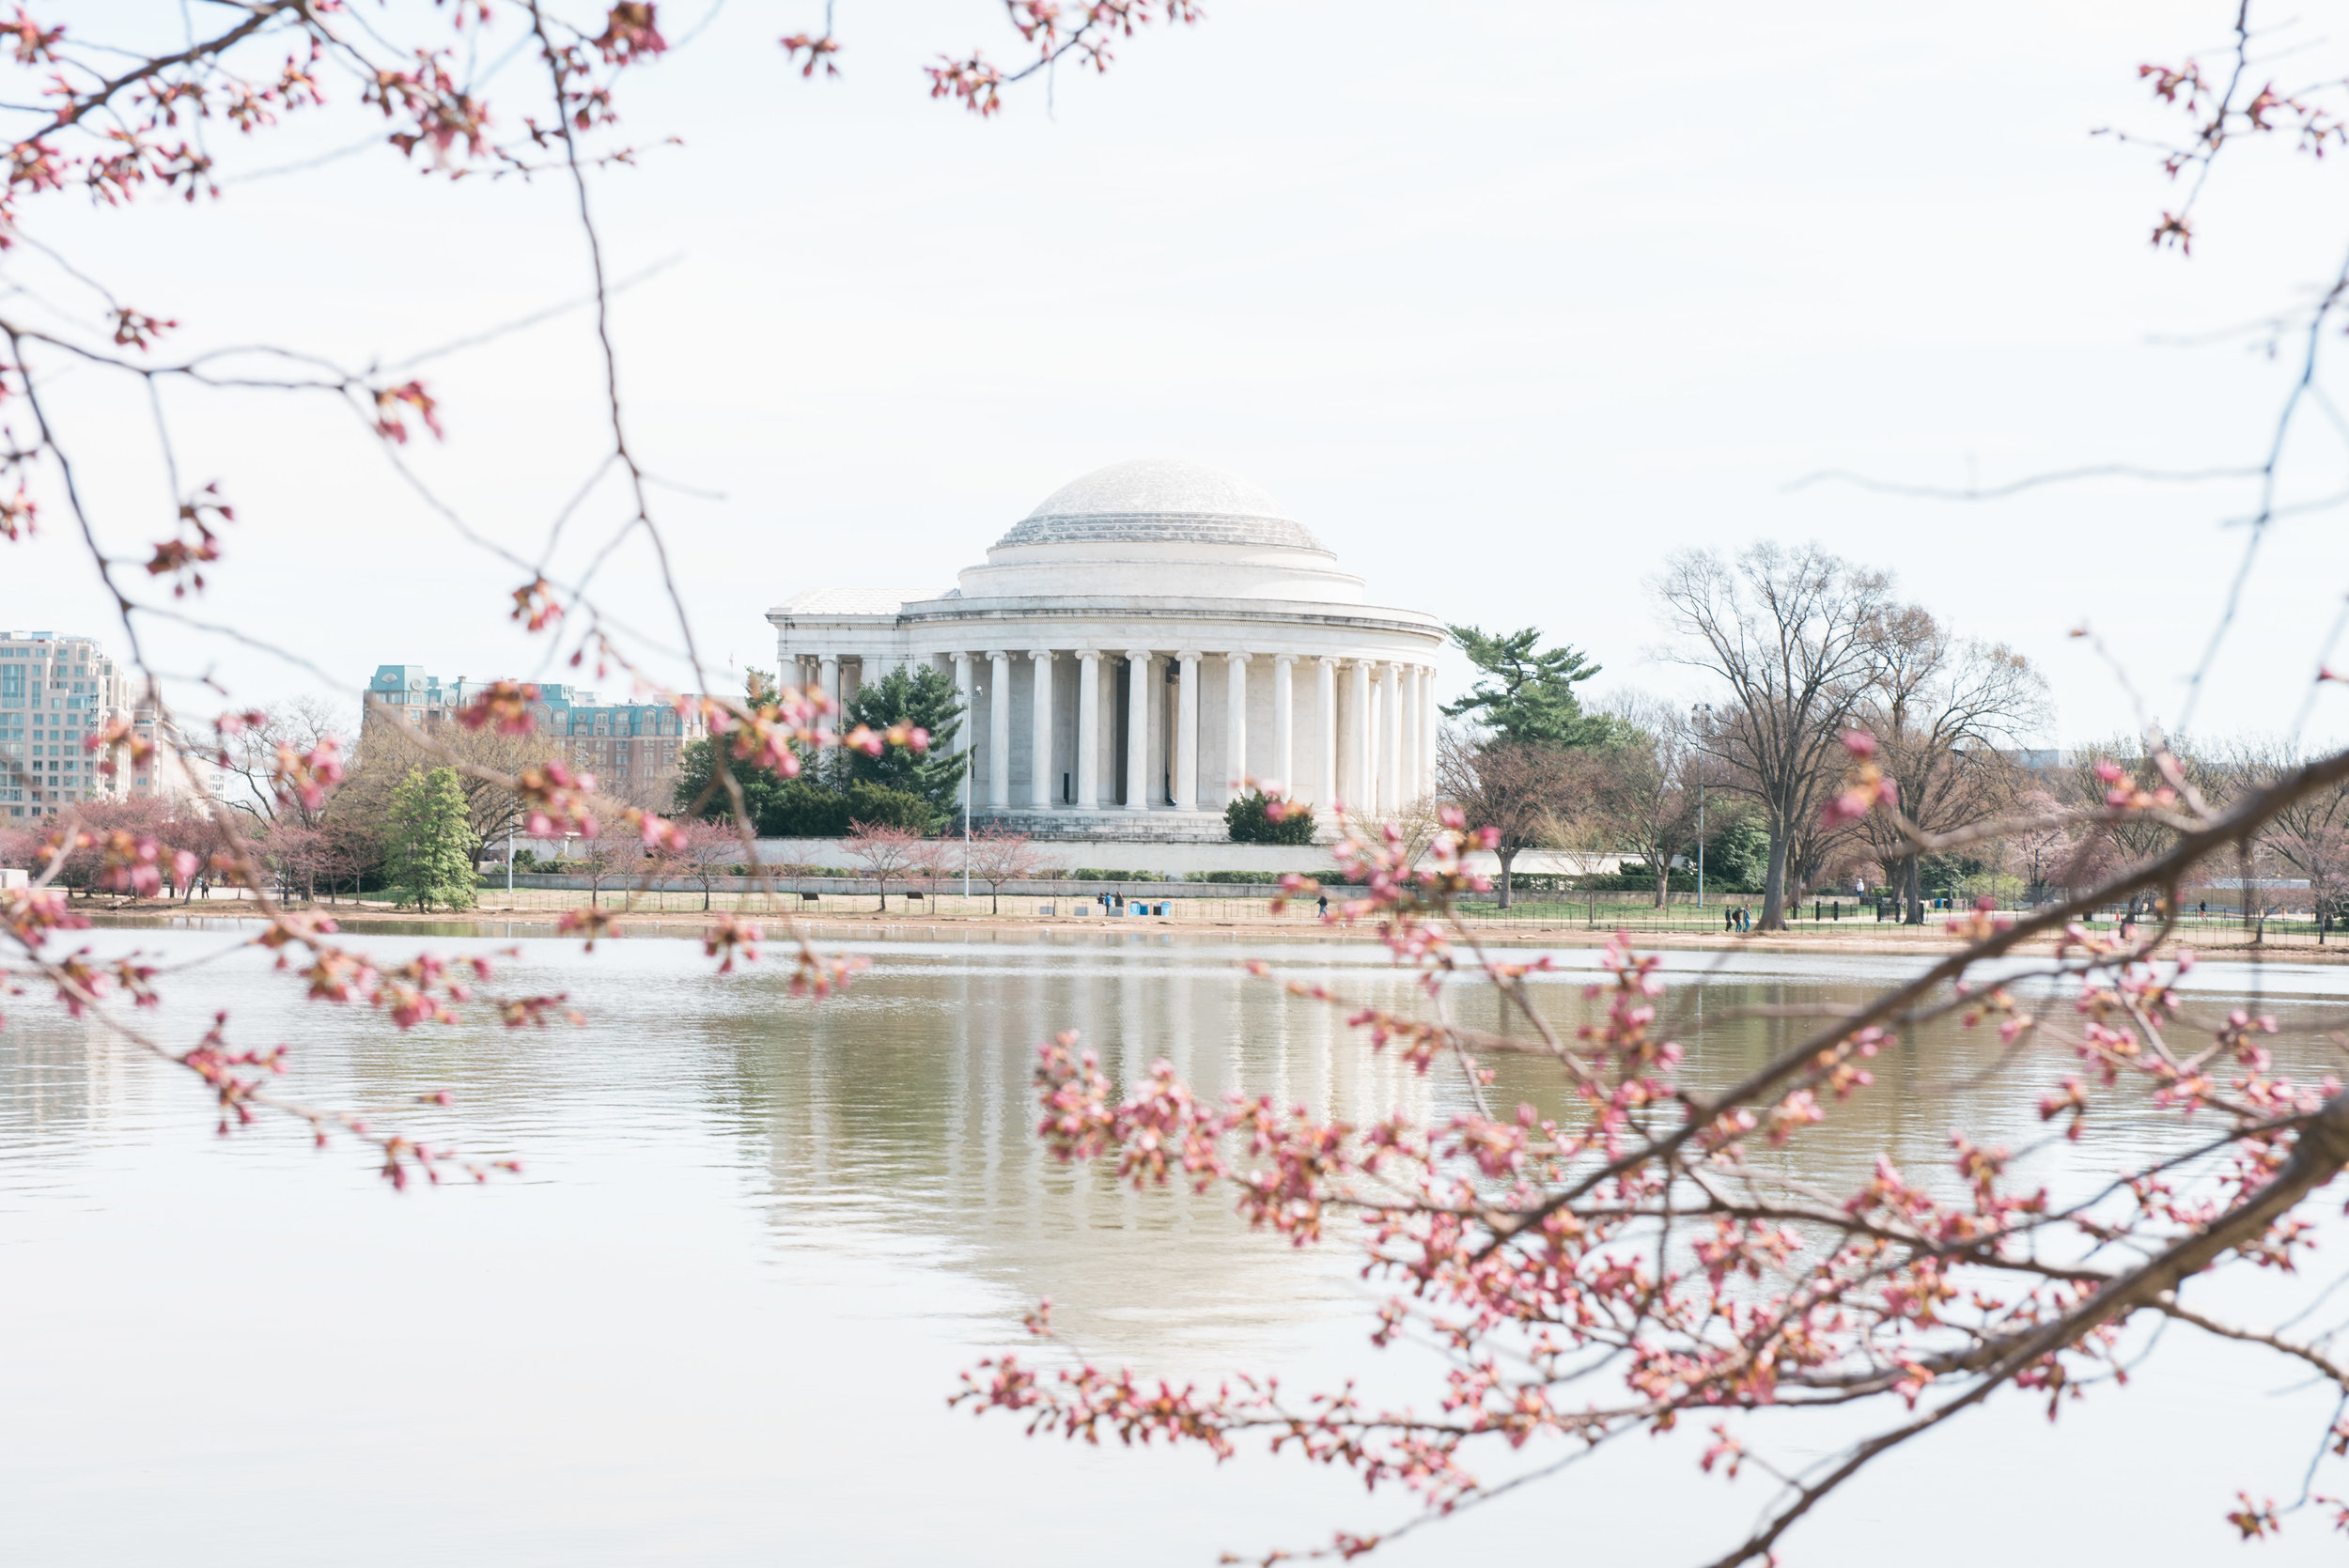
[{"x": 717, "y": 1318}]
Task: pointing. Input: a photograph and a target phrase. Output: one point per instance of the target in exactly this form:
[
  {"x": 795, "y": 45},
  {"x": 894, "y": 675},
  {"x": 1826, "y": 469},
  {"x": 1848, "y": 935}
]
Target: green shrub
[
  {"x": 1248, "y": 876},
  {"x": 1249, "y": 820},
  {"x": 798, "y": 809},
  {"x": 866, "y": 800},
  {"x": 795, "y": 808}
]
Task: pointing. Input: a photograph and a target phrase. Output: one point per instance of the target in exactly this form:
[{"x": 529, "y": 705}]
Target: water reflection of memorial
[{"x": 905, "y": 1109}]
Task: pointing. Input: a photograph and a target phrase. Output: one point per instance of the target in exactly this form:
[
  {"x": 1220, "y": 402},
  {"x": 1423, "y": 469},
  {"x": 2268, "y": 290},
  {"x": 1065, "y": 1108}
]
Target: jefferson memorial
[{"x": 1152, "y": 641}]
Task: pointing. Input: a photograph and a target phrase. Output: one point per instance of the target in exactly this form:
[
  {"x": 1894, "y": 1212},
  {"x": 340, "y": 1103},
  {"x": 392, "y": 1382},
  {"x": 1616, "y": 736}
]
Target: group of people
[{"x": 1735, "y": 918}]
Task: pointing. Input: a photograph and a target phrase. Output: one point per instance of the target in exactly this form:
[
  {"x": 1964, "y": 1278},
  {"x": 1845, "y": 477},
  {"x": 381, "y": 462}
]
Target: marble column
[
  {"x": 1235, "y": 726},
  {"x": 966, "y": 736},
  {"x": 1137, "y": 729},
  {"x": 1355, "y": 778},
  {"x": 1427, "y": 729},
  {"x": 998, "y": 730},
  {"x": 828, "y": 669},
  {"x": 1283, "y": 721},
  {"x": 1326, "y": 718},
  {"x": 1044, "y": 784},
  {"x": 1185, "y": 790},
  {"x": 1407, "y": 753},
  {"x": 1088, "y": 727},
  {"x": 1391, "y": 741}
]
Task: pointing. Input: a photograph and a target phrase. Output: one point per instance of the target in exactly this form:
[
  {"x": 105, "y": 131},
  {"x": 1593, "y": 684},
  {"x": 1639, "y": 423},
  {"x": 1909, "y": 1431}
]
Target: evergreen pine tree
[
  {"x": 924, "y": 696},
  {"x": 696, "y": 762},
  {"x": 430, "y": 843},
  {"x": 694, "y": 794},
  {"x": 839, "y": 786},
  {"x": 1527, "y": 695}
]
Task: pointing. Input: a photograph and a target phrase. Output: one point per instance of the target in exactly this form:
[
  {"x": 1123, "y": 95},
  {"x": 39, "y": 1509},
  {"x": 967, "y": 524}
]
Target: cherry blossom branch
[{"x": 2160, "y": 871}]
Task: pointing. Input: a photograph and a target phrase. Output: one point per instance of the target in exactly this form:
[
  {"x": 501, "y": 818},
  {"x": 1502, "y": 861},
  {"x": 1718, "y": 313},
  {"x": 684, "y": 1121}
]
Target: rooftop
[
  {"x": 842, "y": 601},
  {"x": 1159, "y": 500}
]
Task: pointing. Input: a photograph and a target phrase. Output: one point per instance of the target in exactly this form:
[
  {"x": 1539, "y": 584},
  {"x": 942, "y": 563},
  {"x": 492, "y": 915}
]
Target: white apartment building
[{"x": 53, "y": 690}]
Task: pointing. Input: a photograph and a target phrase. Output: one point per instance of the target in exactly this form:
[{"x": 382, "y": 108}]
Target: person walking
[{"x": 1324, "y": 905}]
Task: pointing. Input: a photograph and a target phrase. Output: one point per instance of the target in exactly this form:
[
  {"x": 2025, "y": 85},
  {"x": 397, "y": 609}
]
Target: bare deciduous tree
[
  {"x": 486, "y": 759},
  {"x": 2041, "y": 845},
  {"x": 1521, "y": 790},
  {"x": 2101, "y": 775},
  {"x": 248, "y": 754},
  {"x": 2309, "y": 839},
  {"x": 996, "y": 855},
  {"x": 709, "y": 851},
  {"x": 887, "y": 853},
  {"x": 292, "y": 852},
  {"x": 606, "y": 855},
  {"x": 1792, "y": 631},
  {"x": 1641, "y": 790},
  {"x": 1418, "y": 823},
  {"x": 1940, "y": 710}
]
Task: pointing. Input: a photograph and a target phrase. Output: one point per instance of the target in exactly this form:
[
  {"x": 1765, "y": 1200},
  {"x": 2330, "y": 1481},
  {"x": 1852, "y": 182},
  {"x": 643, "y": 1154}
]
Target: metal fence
[
  {"x": 2208, "y": 927},
  {"x": 831, "y": 898},
  {"x": 1195, "y": 904}
]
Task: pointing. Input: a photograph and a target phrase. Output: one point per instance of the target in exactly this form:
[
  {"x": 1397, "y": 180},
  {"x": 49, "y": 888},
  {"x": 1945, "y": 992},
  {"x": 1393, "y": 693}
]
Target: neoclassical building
[{"x": 1154, "y": 639}]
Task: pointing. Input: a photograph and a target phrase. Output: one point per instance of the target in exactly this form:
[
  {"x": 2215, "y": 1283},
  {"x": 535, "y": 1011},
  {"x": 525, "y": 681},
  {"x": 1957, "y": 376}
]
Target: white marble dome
[
  {"x": 1160, "y": 528},
  {"x": 1160, "y": 498}
]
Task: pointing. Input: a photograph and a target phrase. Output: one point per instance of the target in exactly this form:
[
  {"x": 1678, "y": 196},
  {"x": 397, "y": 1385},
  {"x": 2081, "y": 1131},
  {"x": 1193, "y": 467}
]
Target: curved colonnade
[{"x": 1153, "y": 640}]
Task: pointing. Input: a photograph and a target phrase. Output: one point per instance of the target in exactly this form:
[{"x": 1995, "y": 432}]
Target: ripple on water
[{"x": 716, "y": 1319}]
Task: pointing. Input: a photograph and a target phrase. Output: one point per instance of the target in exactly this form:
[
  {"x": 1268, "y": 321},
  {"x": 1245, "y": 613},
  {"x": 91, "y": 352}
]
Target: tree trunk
[
  {"x": 1912, "y": 892},
  {"x": 1774, "y": 885},
  {"x": 1508, "y": 858},
  {"x": 1663, "y": 879}
]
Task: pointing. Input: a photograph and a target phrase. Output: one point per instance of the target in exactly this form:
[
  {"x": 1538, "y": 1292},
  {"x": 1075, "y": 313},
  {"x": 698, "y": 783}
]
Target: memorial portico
[{"x": 1153, "y": 640}]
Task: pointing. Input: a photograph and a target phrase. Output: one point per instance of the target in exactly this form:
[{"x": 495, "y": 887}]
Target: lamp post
[
  {"x": 1701, "y": 715},
  {"x": 509, "y": 865}
]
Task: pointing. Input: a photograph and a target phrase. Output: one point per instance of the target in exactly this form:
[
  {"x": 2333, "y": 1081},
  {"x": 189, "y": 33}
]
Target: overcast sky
[{"x": 1506, "y": 301}]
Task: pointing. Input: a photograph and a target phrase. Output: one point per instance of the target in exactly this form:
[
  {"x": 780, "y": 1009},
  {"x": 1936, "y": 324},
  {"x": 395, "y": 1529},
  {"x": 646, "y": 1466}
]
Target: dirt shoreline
[{"x": 1866, "y": 939}]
